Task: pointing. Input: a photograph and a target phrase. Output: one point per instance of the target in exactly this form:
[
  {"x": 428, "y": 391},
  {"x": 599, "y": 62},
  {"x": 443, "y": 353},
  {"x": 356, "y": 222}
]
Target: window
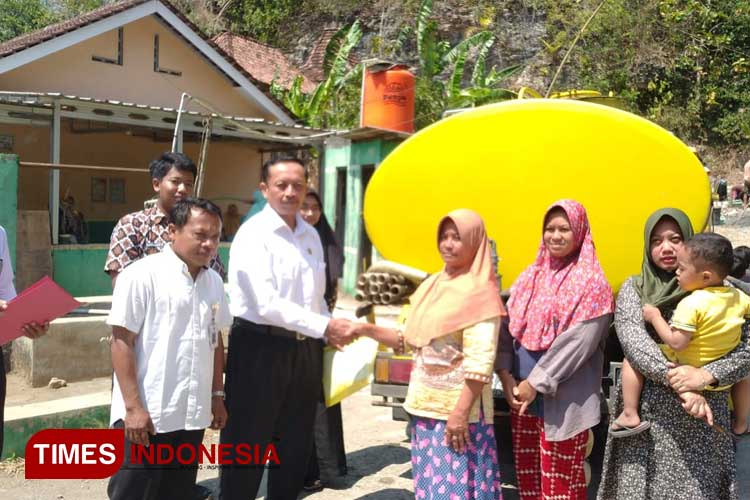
[
  {"x": 101, "y": 186},
  {"x": 98, "y": 189},
  {"x": 118, "y": 59},
  {"x": 117, "y": 190},
  {"x": 158, "y": 68}
]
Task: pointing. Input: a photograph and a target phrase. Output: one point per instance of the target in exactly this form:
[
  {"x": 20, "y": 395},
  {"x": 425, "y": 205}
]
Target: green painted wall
[
  {"x": 79, "y": 269},
  {"x": 224, "y": 254},
  {"x": 9, "y": 200},
  {"x": 100, "y": 231},
  {"x": 18, "y": 432},
  {"x": 367, "y": 152}
]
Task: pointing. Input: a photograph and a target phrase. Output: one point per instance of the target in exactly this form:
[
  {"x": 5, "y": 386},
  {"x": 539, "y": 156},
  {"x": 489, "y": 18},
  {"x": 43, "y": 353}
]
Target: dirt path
[{"x": 377, "y": 452}]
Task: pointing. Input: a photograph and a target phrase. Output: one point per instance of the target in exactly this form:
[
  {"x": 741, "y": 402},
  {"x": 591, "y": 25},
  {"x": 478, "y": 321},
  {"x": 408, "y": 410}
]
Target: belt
[{"x": 276, "y": 331}]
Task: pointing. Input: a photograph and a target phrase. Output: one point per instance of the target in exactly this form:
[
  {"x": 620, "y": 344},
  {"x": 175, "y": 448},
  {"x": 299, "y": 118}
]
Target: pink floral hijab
[{"x": 553, "y": 293}]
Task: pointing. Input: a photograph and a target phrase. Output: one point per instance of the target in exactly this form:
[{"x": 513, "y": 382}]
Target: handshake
[{"x": 341, "y": 332}]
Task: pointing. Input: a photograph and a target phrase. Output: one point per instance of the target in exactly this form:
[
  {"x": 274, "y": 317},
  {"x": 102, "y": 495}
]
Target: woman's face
[
  {"x": 666, "y": 241},
  {"x": 558, "y": 235},
  {"x": 452, "y": 250},
  {"x": 310, "y": 210}
]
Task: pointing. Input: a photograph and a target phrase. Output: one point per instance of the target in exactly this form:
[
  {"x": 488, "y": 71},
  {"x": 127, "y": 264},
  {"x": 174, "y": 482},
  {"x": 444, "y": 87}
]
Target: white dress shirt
[
  {"x": 176, "y": 321},
  {"x": 7, "y": 290},
  {"x": 277, "y": 276}
]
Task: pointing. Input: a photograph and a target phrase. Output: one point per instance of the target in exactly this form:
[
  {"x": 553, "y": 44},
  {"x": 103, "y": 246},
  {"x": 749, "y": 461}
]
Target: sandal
[
  {"x": 316, "y": 485},
  {"x": 617, "y": 430}
]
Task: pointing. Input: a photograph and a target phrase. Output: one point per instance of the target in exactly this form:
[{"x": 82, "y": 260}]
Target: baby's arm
[{"x": 674, "y": 337}]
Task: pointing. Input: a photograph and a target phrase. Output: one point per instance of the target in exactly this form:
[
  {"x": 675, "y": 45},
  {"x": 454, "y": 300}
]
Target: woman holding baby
[{"x": 687, "y": 452}]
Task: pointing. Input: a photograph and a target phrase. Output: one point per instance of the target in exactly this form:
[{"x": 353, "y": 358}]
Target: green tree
[
  {"x": 22, "y": 16},
  {"x": 438, "y": 59},
  {"x": 260, "y": 19},
  {"x": 441, "y": 81},
  {"x": 18, "y": 17},
  {"x": 681, "y": 63}
]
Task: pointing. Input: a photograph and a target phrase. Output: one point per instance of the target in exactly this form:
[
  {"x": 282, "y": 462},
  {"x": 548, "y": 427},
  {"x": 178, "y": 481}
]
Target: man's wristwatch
[{"x": 218, "y": 394}]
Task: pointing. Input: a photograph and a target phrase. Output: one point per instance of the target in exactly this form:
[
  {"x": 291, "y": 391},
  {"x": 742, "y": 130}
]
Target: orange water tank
[{"x": 387, "y": 98}]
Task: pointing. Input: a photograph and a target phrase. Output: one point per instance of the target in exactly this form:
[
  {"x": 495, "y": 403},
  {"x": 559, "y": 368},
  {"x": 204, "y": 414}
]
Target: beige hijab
[{"x": 444, "y": 304}]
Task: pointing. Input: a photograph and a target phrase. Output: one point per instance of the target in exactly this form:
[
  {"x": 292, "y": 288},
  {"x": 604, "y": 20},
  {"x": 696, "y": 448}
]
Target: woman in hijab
[
  {"x": 452, "y": 328},
  {"x": 679, "y": 456},
  {"x": 551, "y": 356},
  {"x": 312, "y": 213},
  {"x": 328, "y": 456}
]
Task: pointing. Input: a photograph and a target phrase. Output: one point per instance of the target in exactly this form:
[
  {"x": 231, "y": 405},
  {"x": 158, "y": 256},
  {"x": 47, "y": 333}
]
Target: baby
[{"x": 705, "y": 326}]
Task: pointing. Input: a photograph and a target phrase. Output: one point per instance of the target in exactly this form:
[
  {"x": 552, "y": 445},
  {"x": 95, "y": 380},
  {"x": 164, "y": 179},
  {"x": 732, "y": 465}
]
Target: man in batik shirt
[{"x": 146, "y": 232}]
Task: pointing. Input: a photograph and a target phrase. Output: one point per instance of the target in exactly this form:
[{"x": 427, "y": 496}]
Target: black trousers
[
  {"x": 144, "y": 481},
  {"x": 328, "y": 458},
  {"x": 2, "y": 400},
  {"x": 272, "y": 386}
]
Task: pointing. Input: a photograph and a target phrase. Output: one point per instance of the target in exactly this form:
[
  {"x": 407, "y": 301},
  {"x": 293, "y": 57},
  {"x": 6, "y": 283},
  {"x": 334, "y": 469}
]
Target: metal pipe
[
  {"x": 177, "y": 137},
  {"x": 398, "y": 289},
  {"x": 386, "y": 298},
  {"x": 360, "y": 296},
  {"x": 376, "y": 299},
  {"x": 381, "y": 277},
  {"x": 34, "y": 164},
  {"x": 374, "y": 289}
]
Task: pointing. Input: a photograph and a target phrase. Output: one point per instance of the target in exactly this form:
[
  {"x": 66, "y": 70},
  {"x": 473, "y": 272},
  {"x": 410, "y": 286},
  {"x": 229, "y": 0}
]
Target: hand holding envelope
[{"x": 31, "y": 311}]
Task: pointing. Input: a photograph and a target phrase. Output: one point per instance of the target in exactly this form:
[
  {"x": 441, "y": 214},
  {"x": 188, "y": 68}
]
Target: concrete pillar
[
  {"x": 54, "y": 175},
  {"x": 353, "y": 229},
  {"x": 337, "y": 155}
]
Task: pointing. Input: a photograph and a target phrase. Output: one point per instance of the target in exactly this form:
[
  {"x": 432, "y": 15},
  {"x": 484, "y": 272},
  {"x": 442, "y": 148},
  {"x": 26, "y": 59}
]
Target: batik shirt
[{"x": 140, "y": 234}]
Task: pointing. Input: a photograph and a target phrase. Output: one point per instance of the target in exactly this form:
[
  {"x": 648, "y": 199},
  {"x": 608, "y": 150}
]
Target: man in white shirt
[
  {"x": 31, "y": 330},
  {"x": 276, "y": 287},
  {"x": 167, "y": 353}
]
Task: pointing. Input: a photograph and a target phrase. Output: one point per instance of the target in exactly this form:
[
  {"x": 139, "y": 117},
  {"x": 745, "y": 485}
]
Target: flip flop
[
  {"x": 622, "y": 431},
  {"x": 316, "y": 485}
]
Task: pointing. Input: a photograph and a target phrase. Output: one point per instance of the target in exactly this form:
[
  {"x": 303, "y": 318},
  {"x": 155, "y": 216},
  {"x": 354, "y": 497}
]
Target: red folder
[{"x": 43, "y": 301}]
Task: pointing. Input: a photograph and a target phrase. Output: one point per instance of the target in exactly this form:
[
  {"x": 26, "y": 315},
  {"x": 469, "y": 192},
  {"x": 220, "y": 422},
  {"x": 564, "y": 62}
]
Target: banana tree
[
  {"x": 437, "y": 57},
  {"x": 319, "y": 108}
]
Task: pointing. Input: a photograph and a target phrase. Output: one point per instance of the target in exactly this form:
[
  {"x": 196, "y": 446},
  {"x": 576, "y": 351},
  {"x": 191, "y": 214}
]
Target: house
[{"x": 85, "y": 104}]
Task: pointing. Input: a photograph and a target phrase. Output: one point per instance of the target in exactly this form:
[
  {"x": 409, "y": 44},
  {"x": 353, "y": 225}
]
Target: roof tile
[{"x": 263, "y": 62}]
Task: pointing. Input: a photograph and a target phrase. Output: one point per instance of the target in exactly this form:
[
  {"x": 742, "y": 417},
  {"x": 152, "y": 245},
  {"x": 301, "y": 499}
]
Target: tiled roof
[
  {"x": 313, "y": 67},
  {"x": 262, "y": 62},
  {"x": 54, "y": 30}
]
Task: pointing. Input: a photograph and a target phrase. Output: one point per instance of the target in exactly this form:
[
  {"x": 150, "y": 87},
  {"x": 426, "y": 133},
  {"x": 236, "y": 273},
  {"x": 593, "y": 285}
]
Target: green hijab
[{"x": 656, "y": 286}]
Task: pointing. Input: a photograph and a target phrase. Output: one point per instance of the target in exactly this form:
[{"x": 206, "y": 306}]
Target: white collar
[
  {"x": 178, "y": 263},
  {"x": 275, "y": 222}
]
